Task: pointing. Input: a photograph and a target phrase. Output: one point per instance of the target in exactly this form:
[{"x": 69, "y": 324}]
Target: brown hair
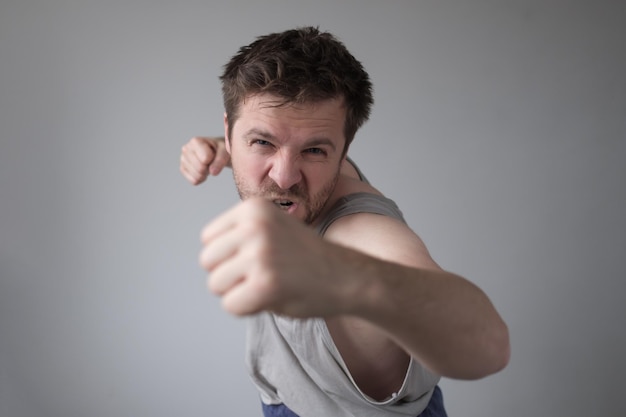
[{"x": 300, "y": 66}]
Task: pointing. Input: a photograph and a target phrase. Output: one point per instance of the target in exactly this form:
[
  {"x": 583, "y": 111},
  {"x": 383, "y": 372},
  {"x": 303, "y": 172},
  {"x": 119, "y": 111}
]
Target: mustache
[{"x": 273, "y": 190}]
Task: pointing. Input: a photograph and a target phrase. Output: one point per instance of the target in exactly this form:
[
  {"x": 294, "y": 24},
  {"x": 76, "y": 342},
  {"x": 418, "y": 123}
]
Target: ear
[{"x": 226, "y": 133}]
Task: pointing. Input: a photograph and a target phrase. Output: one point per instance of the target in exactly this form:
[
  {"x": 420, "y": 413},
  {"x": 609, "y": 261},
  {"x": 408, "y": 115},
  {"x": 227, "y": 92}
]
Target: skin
[
  {"x": 383, "y": 297},
  {"x": 290, "y": 155}
]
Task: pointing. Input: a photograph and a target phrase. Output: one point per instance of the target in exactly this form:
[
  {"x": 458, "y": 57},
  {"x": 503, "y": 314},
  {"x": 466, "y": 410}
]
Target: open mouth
[{"x": 283, "y": 204}]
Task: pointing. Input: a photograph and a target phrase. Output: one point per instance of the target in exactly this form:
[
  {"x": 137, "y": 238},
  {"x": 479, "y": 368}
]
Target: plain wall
[{"x": 499, "y": 128}]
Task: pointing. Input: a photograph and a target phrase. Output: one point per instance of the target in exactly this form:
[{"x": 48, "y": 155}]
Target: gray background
[{"x": 499, "y": 127}]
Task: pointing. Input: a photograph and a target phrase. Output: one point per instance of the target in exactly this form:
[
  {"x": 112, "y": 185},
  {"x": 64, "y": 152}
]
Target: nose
[{"x": 285, "y": 171}]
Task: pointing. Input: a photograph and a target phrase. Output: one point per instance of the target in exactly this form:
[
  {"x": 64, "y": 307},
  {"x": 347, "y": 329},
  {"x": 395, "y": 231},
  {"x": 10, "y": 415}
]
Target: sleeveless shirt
[{"x": 295, "y": 361}]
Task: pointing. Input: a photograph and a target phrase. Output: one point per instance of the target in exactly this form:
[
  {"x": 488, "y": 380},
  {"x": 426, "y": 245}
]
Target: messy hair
[{"x": 299, "y": 66}]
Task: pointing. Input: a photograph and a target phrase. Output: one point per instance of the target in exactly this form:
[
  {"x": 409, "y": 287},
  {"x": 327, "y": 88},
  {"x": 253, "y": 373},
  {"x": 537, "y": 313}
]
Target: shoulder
[
  {"x": 377, "y": 235},
  {"x": 382, "y": 237},
  {"x": 380, "y": 232}
]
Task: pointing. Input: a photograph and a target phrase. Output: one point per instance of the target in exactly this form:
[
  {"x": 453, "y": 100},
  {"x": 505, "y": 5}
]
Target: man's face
[{"x": 290, "y": 155}]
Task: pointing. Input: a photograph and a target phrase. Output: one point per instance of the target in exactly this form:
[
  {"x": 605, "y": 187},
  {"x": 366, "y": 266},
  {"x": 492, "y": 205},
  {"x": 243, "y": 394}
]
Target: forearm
[{"x": 441, "y": 319}]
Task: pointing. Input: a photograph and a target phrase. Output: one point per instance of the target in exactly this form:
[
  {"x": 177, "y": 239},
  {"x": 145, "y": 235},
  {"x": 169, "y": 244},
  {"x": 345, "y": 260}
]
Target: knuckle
[{"x": 206, "y": 158}]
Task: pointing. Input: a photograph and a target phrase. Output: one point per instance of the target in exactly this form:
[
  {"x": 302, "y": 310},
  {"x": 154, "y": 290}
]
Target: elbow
[
  {"x": 492, "y": 357},
  {"x": 496, "y": 354},
  {"x": 502, "y": 349}
]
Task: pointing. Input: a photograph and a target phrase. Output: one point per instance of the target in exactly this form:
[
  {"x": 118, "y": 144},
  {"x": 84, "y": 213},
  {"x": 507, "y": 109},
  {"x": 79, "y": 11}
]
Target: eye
[
  {"x": 261, "y": 142},
  {"x": 315, "y": 151}
]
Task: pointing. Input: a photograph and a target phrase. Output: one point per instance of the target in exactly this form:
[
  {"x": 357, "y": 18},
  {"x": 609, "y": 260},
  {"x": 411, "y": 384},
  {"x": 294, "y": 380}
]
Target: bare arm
[
  {"x": 260, "y": 259},
  {"x": 440, "y": 318}
]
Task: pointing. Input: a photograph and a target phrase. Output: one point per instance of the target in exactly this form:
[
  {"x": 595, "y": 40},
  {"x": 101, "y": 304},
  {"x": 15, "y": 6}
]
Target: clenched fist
[
  {"x": 260, "y": 258},
  {"x": 201, "y": 157}
]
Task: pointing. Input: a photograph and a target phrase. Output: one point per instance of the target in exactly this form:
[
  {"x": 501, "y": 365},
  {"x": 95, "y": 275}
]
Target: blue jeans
[{"x": 435, "y": 408}]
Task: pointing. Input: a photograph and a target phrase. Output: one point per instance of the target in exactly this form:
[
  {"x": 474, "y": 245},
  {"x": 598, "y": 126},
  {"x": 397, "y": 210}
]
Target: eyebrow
[
  {"x": 258, "y": 132},
  {"x": 312, "y": 142}
]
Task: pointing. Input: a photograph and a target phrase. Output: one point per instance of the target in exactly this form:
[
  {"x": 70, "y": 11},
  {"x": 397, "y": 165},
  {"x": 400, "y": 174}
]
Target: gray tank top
[
  {"x": 295, "y": 361},
  {"x": 359, "y": 203}
]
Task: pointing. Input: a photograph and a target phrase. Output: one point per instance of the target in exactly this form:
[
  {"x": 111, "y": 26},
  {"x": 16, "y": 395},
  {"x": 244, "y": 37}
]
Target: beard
[{"x": 312, "y": 204}]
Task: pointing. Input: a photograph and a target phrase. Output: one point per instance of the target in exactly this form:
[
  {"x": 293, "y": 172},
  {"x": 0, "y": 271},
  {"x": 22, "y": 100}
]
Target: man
[{"x": 349, "y": 314}]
